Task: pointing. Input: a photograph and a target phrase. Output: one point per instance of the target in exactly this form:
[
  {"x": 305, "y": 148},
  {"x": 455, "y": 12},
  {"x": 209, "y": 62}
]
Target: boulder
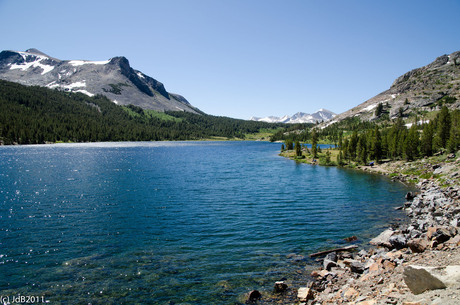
[
  {"x": 419, "y": 280},
  {"x": 418, "y": 245},
  {"x": 441, "y": 235},
  {"x": 328, "y": 264},
  {"x": 254, "y": 296},
  {"x": 304, "y": 294},
  {"x": 280, "y": 287},
  {"x": 355, "y": 266},
  {"x": 332, "y": 256},
  {"x": 410, "y": 196},
  {"x": 398, "y": 241},
  {"x": 383, "y": 239},
  {"x": 330, "y": 261}
]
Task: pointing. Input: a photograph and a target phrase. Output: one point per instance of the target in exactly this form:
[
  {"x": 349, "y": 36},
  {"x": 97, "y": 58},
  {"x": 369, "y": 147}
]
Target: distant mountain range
[
  {"x": 300, "y": 117},
  {"x": 113, "y": 78}
]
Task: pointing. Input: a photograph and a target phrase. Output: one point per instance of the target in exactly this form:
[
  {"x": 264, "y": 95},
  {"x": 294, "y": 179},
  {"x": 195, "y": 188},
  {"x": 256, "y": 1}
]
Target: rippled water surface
[{"x": 172, "y": 222}]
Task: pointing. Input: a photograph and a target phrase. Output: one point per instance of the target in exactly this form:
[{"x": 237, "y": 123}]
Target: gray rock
[
  {"x": 363, "y": 253},
  {"x": 420, "y": 279},
  {"x": 332, "y": 256},
  {"x": 383, "y": 239},
  {"x": 415, "y": 233},
  {"x": 328, "y": 264},
  {"x": 357, "y": 267},
  {"x": 398, "y": 241}
]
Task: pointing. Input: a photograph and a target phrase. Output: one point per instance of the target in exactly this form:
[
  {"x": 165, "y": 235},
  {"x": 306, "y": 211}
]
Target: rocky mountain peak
[
  {"x": 120, "y": 61},
  {"x": 114, "y": 78},
  {"x": 36, "y": 52},
  {"x": 423, "y": 89}
]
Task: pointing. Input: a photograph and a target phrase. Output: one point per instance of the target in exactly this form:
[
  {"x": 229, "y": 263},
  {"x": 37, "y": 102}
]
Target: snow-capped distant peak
[{"x": 299, "y": 117}]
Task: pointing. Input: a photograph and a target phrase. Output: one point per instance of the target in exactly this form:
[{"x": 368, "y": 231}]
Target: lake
[{"x": 173, "y": 222}]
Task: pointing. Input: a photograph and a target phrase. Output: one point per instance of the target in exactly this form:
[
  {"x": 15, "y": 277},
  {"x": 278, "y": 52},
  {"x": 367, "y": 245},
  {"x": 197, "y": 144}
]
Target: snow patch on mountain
[
  {"x": 370, "y": 107},
  {"x": 77, "y": 63},
  {"x": 85, "y": 92},
  {"x": 33, "y": 64}
]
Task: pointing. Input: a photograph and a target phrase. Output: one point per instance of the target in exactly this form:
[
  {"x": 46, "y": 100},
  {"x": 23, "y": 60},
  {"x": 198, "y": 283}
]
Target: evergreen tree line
[
  {"x": 36, "y": 115},
  {"x": 399, "y": 142},
  {"x": 363, "y": 142}
]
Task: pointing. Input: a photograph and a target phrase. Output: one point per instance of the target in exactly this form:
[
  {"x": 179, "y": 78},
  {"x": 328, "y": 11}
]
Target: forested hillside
[
  {"x": 404, "y": 138},
  {"x": 34, "y": 115}
]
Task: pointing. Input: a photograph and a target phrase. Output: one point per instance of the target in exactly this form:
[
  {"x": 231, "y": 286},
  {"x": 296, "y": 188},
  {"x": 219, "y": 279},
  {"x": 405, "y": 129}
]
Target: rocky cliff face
[
  {"x": 422, "y": 89},
  {"x": 113, "y": 78}
]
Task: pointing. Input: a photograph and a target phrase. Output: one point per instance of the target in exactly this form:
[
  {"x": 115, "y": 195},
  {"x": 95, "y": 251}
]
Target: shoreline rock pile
[
  {"x": 411, "y": 263},
  {"x": 388, "y": 273}
]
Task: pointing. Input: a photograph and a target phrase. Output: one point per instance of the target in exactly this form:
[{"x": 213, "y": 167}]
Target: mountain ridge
[
  {"x": 419, "y": 90},
  {"x": 113, "y": 78}
]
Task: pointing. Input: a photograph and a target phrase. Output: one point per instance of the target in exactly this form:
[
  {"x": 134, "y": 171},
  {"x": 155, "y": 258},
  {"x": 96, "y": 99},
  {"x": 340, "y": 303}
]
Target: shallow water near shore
[{"x": 173, "y": 222}]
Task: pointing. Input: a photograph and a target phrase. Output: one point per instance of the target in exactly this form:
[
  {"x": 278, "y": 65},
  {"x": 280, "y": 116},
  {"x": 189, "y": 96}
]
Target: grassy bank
[{"x": 442, "y": 169}]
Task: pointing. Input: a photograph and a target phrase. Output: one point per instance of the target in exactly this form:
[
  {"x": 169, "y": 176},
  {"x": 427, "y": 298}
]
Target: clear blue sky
[{"x": 246, "y": 58}]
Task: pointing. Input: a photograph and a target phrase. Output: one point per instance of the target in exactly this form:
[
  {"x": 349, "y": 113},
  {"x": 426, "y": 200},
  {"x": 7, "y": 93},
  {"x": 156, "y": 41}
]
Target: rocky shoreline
[{"x": 413, "y": 262}]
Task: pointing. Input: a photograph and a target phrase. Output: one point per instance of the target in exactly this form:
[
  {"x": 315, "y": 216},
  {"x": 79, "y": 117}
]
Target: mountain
[
  {"x": 420, "y": 90},
  {"x": 36, "y": 115},
  {"x": 113, "y": 78},
  {"x": 299, "y": 117}
]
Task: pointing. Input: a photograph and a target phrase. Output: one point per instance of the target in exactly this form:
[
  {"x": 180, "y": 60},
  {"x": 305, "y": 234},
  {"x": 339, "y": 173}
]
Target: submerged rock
[
  {"x": 254, "y": 296},
  {"x": 280, "y": 287}
]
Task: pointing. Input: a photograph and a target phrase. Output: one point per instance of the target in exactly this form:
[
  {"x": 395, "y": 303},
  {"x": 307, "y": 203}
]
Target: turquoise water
[{"x": 172, "y": 222}]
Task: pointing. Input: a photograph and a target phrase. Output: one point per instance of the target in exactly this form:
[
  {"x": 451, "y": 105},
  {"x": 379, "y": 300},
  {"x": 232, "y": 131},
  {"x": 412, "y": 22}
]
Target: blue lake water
[{"x": 172, "y": 222}]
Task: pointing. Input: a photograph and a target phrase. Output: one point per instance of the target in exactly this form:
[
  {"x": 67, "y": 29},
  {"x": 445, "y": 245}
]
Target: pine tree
[
  {"x": 411, "y": 143},
  {"x": 379, "y": 110},
  {"x": 352, "y": 145},
  {"x": 454, "y": 139},
  {"x": 298, "y": 149},
  {"x": 340, "y": 161},
  {"x": 346, "y": 155},
  {"x": 426, "y": 143},
  {"x": 362, "y": 150},
  {"x": 314, "y": 143},
  {"x": 328, "y": 157},
  {"x": 340, "y": 140},
  {"x": 376, "y": 146},
  {"x": 443, "y": 128}
]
